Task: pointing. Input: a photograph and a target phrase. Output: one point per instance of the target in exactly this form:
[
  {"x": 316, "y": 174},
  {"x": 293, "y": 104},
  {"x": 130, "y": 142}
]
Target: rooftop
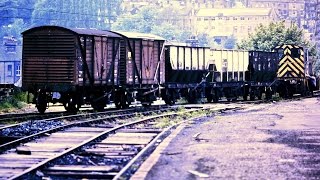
[{"x": 219, "y": 12}]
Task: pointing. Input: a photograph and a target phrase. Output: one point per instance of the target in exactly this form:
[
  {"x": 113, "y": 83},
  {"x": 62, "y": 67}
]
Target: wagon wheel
[
  {"x": 268, "y": 93},
  {"x": 210, "y": 98},
  {"x": 117, "y": 104},
  {"x": 169, "y": 101},
  {"x": 71, "y": 104},
  {"x": 121, "y": 100},
  {"x": 99, "y": 105},
  {"x": 170, "y": 98},
  {"x": 41, "y": 102},
  {"x": 252, "y": 96},
  {"x": 213, "y": 97},
  {"x": 146, "y": 101},
  {"x": 192, "y": 96},
  {"x": 259, "y": 95}
]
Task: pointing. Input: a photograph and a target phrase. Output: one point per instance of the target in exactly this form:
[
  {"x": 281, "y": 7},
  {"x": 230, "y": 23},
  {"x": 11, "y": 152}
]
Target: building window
[
  {"x": 9, "y": 70},
  {"x": 235, "y": 29},
  {"x": 18, "y": 71}
]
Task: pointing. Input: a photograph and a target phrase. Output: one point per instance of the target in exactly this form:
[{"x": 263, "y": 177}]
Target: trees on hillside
[
  {"x": 151, "y": 19},
  {"x": 75, "y": 13},
  {"x": 8, "y": 11},
  {"x": 269, "y": 36},
  {"x": 143, "y": 21}
]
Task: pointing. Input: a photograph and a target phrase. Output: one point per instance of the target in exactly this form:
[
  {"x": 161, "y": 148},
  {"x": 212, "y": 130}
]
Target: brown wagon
[
  {"x": 143, "y": 67},
  {"x": 71, "y": 66}
]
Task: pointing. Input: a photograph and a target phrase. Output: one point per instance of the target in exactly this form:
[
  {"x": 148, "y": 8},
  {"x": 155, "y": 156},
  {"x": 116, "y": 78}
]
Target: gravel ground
[{"x": 268, "y": 141}]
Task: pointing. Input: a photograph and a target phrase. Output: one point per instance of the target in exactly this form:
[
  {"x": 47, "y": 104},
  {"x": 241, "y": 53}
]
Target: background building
[{"x": 236, "y": 22}]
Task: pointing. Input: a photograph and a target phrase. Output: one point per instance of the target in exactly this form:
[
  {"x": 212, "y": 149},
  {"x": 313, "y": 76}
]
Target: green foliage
[
  {"x": 10, "y": 103},
  {"x": 166, "y": 122},
  {"x": 8, "y": 11},
  {"x": 316, "y": 68},
  {"x": 14, "y": 29},
  {"x": 143, "y": 22},
  {"x": 230, "y": 43},
  {"x": 21, "y": 96},
  {"x": 74, "y": 13},
  {"x": 203, "y": 39},
  {"x": 147, "y": 21},
  {"x": 16, "y": 101},
  {"x": 269, "y": 36}
]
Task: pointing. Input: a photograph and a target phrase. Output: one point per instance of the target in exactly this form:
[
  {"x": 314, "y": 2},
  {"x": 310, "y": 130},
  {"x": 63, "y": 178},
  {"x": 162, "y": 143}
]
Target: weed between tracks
[{"x": 169, "y": 121}]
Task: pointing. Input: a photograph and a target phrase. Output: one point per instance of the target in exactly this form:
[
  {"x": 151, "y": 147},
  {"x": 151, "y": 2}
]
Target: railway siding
[{"x": 90, "y": 147}]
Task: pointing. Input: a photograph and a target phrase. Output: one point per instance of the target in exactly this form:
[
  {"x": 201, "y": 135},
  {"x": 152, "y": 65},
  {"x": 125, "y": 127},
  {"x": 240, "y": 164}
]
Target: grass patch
[
  {"x": 166, "y": 122},
  {"x": 16, "y": 101}
]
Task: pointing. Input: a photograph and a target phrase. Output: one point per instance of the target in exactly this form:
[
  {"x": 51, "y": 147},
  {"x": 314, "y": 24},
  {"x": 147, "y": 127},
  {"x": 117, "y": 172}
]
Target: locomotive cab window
[
  {"x": 295, "y": 53},
  {"x": 280, "y": 53}
]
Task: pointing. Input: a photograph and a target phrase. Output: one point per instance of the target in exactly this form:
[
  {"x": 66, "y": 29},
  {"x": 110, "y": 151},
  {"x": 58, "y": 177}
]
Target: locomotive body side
[
  {"x": 71, "y": 66},
  {"x": 293, "y": 73}
]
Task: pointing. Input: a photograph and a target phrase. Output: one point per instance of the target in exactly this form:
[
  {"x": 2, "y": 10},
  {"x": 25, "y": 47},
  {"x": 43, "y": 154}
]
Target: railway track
[
  {"x": 21, "y": 117},
  {"x": 12, "y": 135},
  {"x": 96, "y": 148}
]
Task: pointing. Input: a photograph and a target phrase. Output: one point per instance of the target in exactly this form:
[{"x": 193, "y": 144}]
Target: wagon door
[
  {"x": 148, "y": 62},
  {"x": 100, "y": 57},
  {"x": 151, "y": 61},
  {"x": 106, "y": 55}
]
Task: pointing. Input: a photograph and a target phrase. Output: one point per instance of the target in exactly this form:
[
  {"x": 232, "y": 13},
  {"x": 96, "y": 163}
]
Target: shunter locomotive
[{"x": 86, "y": 66}]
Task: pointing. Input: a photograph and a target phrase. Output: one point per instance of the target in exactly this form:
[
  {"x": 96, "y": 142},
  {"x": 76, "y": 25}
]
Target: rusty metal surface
[
  {"x": 56, "y": 57},
  {"x": 146, "y": 66},
  {"x": 48, "y": 57},
  {"x": 78, "y": 31}
]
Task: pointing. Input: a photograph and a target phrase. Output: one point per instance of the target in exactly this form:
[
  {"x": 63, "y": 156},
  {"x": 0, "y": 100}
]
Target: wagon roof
[
  {"x": 79, "y": 31},
  {"x": 136, "y": 35}
]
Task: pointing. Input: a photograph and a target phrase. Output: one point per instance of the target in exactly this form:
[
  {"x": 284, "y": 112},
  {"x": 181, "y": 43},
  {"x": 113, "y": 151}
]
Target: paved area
[{"x": 267, "y": 141}]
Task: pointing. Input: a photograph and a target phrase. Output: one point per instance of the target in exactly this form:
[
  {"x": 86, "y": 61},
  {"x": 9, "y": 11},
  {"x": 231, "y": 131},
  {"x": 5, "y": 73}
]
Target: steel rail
[
  {"x": 96, "y": 138},
  {"x": 83, "y": 115},
  {"x": 150, "y": 147},
  {"x": 14, "y": 143}
]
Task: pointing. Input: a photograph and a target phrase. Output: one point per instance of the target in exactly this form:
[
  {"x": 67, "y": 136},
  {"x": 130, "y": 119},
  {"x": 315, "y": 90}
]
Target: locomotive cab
[{"x": 291, "y": 72}]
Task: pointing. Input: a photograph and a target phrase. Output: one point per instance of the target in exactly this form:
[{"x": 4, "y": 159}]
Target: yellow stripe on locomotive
[{"x": 291, "y": 64}]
